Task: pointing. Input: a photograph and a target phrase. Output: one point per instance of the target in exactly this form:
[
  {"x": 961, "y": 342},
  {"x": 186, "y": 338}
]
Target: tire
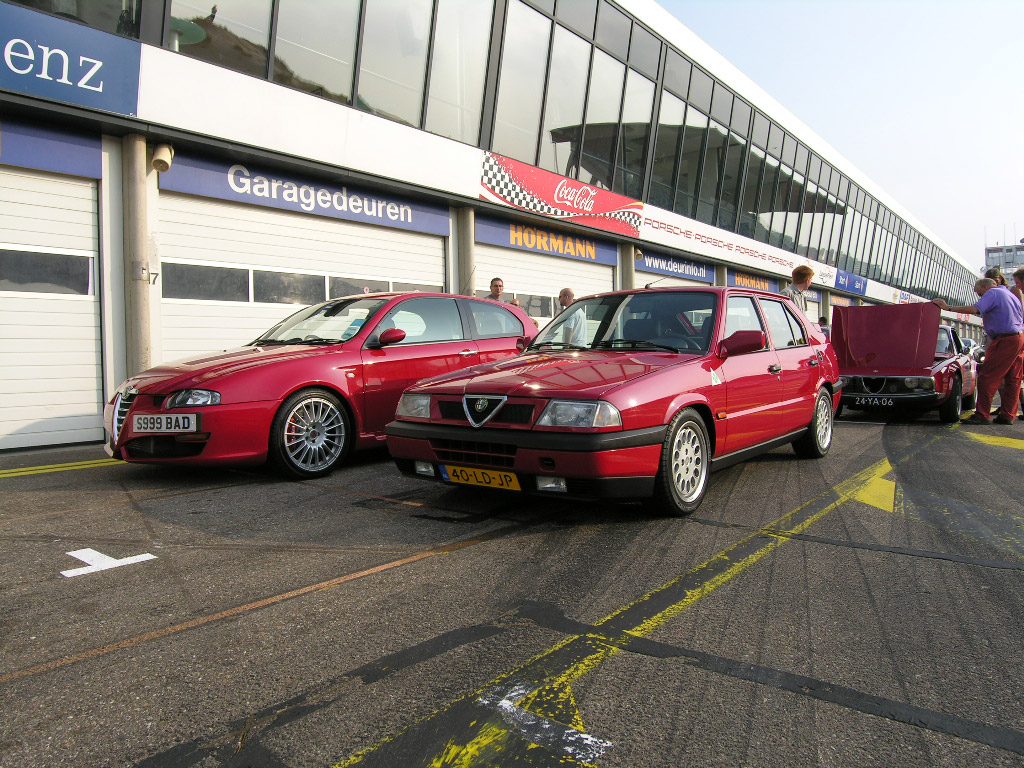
[
  {"x": 682, "y": 478},
  {"x": 971, "y": 401},
  {"x": 311, "y": 435},
  {"x": 949, "y": 411},
  {"x": 816, "y": 441}
]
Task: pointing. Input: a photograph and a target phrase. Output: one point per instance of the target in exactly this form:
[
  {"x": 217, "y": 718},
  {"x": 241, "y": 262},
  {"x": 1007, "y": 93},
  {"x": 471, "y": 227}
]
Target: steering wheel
[{"x": 686, "y": 341}]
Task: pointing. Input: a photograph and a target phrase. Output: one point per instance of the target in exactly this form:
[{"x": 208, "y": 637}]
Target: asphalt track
[{"x": 864, "y": 609}]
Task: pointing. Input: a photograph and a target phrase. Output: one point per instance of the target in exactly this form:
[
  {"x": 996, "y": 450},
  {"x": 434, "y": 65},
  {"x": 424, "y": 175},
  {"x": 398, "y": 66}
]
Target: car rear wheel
[
  {"x": 816, "y": 441},
  {"x": 310, "y": 435},
  {"x": 950, "y": 410},
  {"x": 682, "y": 476},
  {"x": 970, "y": 402}
]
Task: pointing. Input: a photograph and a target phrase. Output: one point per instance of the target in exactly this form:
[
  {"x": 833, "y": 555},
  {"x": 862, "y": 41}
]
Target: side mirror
[
  {"x": 391, "y": 336},
  {"x": 522, "y": 343},
  {"x": 741, "y": 343}
]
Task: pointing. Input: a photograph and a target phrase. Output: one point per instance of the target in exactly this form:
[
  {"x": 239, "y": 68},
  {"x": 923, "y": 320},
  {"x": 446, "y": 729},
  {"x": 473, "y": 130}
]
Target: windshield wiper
[
  {"x": 634, "y": 344},
  {"x": 556, "y": 345},
  {"x": 296, "y": 340}
]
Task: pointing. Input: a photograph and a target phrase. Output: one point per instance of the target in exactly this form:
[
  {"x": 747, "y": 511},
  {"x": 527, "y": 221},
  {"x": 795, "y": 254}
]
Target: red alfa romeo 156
[
  {"x": 629, "y": 395},
  {"x": 312, "y": 388}
]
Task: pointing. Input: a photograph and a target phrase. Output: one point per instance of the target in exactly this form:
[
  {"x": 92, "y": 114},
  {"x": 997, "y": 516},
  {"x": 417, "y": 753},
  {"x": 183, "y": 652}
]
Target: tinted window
[
  {"x": 759, "y": 135},
  {"x": 578, "y": 14},
  {"x": 721, "y": 104},
  {"x": 106, "y": 16},
  {"x": 425, "y": 320},
  {"x": 644, "y": 51},
  {"x": 393, "y": 61},
  {"x": 700, "y": 90},
  {"x": 348, "y": 286},
  {"x": 783, "y": 327},
  {"x": 603, "y": 104},
  {"x": 563, "y": 113},
  {"x": 461, "y": 41},
  {"x": 666, "y": 149},
  {"x": 613, "y": 30},
  {"x": 689, "y": 162},
  {"x": 741, "y": 315},
  {"x": 741, "y": 118},
  {"x": 287, "y": 288},
  {"x": 631, "y": 158},
  {"x": 233, "y": 33},
  {"x": 536, "y": 306},
  {"x": 492, "y": 321},
  {"x": 316, "y": 47},
  {"x": 677, "y": 74},
  {"x": 45, "y": 273},
  {"x": 190, "y": 281}
]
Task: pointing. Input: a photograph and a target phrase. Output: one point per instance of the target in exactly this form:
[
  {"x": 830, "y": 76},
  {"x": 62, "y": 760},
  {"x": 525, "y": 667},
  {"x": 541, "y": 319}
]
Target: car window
[
  {"x": 426, "y": 319},
  {"x": 944, "y": 344},
  {"x": 741, "y": 315},
  {"x": 785, "y": 330},
  {"x": 493, "y": 321}
]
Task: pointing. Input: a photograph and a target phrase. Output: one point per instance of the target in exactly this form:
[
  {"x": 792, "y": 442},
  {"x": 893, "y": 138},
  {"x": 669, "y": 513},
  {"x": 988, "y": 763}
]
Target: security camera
[{"x": 163, "y": 155}]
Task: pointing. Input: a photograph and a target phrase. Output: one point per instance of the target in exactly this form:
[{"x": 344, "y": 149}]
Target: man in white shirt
[
  {"x": 802, "y": 277},
  {"x": 575, "y": 329}
]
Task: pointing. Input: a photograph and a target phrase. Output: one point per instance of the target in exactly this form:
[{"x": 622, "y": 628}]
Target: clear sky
[{"x": 925, "y": 97}]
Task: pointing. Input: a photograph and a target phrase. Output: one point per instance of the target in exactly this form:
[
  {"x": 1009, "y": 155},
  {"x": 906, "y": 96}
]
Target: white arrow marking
[{"x": 97, "y": 561}]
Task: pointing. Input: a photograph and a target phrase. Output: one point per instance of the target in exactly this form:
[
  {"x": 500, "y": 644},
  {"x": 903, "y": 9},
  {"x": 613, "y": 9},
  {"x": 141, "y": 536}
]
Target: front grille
[
  {"x": 121, "y": 405},
  {"x": 162, "y": 447},
  {"x": 884, "y": 385},
  {"x": 510, "y": 413},
  {"x": 474, "y": 452}
]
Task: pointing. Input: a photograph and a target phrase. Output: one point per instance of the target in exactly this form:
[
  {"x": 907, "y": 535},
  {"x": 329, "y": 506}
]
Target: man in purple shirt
[{"x": 1003, "y": 368}]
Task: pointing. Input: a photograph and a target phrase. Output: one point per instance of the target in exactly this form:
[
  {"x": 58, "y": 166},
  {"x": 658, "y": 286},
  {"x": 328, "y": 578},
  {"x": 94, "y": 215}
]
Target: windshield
[
  {"x": 677, "y": 321},
  {"x": 328, "y": 323}
]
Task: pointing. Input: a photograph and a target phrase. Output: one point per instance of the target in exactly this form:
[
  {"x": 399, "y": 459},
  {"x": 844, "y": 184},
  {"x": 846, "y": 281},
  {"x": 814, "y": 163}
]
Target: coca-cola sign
[{"x": 581, "y": 198}]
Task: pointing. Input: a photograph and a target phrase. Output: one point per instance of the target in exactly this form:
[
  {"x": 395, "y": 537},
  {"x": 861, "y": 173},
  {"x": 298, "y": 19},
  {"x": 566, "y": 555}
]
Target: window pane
[
  {"x": 235, "y": 33},
  {"x": 349, "y": 286},
  {"x": 728, "y": 197},
  {"x": 800, "y": 164},
  {"x": 316, "y": 46},
  {"x": 740, "y": 315},
  {"x": 394, "y": 58},
  {"x": 190, "y": 281},
  {"x": 521, "y": 84},
  {"x": 677, "y": 74},
  {"x": 796, "y": 199},
  {"x": 741, "y": 118},
  {"x": 631, "y": 160},
  {"x": 578, "y": 14},
  {"x": 492, "y": 321},
  {"x": 644, "y": 51},
  {"x": 45, "y": 273},
  {"x": 779, "y": 206},
  {"x": 775, "y": 136},
  {"x": 721, "y": 104},
  {"x": 105, "y": 16},
  {"x": 425, "y": 320},
  {"x": 759, "y": 135},
  {"x": 766, "y": 199},
  {"x": 689, "y": 163},
  {"x": 666, "y": 150},
  {"x": 603, "y": 104},
  {"x": 563, "y": 113},
  {"x": 286, "y": 288},
  {"x": 461, "y": 40},
  {"x": 804, "y": 235},
  {"x": 748, "y": 205},
  {"x": 788, "y": 150},
  {"x": 779, "y": 328},
  {"x": 714, "y": 167},
  {"x": 700, "y": 90},
  {"x": 613, "y": 30}
]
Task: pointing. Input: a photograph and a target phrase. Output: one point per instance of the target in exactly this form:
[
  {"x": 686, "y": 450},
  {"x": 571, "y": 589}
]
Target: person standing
[
  {"x": 802, "y": 277},
  {"x": 1017, "y": 289},
  {"x": 497, "y": 286},
  {"x": 575, "y": 329},
  {"x": 1003, "y": 318}
]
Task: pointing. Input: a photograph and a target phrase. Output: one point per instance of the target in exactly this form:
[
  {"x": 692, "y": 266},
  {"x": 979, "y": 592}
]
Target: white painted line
[
  {"x": 541, "y": 730},
  {"x": 97, "y": 561}
]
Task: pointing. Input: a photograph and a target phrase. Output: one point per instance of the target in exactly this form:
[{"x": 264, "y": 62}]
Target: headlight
[
  {"x": 912, "y": 382},
  {"x": 575, "y": 413},
  {"x": 189, "y": 398},
  {"x": 414, "y": 406}
]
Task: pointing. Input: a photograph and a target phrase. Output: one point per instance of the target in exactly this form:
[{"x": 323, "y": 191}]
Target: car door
[
  {"x": 799, "y": 360},
  {"x": 435, "y": 342},
  {"x": 753, "y": 382},
  {"x": 495, "y": 329}
]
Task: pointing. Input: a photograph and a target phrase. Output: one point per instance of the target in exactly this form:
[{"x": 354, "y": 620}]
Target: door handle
[
  {"x": 813, "y": 361},
  {"x": 467, "y": 352},
  {"x": 774, "y": 368}
]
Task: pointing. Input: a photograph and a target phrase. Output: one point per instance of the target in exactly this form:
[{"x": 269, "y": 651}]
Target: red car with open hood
[
  {"x": 661, "y": 387},
  {"x": 318, "y": 384}
]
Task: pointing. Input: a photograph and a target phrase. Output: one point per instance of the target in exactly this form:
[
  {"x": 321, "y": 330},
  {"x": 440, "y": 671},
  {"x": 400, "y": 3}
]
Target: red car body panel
[
  {"x": 747, "y": 400},
  {"x": 254, "y": 381}
]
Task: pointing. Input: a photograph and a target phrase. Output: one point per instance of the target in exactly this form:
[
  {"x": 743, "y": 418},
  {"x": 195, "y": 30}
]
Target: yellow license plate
[{"x": 506, "y": 481}]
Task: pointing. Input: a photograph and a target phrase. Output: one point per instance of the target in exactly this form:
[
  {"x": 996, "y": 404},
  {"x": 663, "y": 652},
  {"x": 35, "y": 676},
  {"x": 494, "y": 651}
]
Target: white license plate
[
  {"x": 165, "y": 422},
  {"x": 873, "y": 401}
]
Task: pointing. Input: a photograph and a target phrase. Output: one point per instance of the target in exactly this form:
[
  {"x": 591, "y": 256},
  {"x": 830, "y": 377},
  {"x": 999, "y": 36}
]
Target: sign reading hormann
[
  {"x": 541, "y": 240},
  {"x": 245, "y": 184}
]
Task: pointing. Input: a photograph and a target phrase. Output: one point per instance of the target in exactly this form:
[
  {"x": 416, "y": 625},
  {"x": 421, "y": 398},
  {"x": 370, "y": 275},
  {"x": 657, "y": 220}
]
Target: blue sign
[
  {"x": 676, "y": 267},
  {"x": 253, "y": 186},
  {"x": 760, "y": 282},
  {"x": 44, "y": 149},
  {"x": 525, "y": 237},
  {"x": 51, "y": 58},
  {"x": 845, "y": 281}
]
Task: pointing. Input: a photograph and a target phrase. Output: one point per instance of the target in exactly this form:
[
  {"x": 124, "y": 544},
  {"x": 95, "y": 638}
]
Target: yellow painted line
[
  {"x": 1000, "y": 442},
  {"x": 22, "y": 471}
]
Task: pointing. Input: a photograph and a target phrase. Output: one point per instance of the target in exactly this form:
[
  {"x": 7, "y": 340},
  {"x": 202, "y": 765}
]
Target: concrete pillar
[
  {"x": 721, "y": 274},
  {"x": 627, "y": 266},
  {"x": 138, "y": 346},
  {"x": 465, "y": 241}
]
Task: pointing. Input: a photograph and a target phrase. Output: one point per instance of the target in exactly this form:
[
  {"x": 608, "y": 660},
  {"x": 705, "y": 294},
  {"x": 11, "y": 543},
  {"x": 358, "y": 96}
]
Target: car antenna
[{"x": 655, "y": 281}]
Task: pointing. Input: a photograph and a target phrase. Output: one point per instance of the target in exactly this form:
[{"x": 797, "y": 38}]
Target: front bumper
[{"x": 888, "y": 392}]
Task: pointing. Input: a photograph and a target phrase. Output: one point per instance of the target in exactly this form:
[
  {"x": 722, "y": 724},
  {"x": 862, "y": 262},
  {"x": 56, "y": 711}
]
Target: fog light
[
  {"x": 424, "y": 468},
  {"x": 556, "y": 484}
]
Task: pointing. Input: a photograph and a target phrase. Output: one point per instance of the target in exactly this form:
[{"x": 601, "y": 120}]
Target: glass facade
[{"x": 578, "y": 87}]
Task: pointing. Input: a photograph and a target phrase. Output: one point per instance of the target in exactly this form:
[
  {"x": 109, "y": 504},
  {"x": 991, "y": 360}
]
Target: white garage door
[
  {"x": 51, "y": 373},
  {"x": 536, "y": 275},
  {"x": 239, "y": 269}
]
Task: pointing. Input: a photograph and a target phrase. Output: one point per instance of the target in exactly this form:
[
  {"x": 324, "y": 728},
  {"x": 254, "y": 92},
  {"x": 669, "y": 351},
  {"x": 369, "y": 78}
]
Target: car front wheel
[
  {"x": 816, "y": 441},
  {"x": 310, "y": 435},
  {"x": 682, "y": 478},
  {"x": 949, "y": 411}
]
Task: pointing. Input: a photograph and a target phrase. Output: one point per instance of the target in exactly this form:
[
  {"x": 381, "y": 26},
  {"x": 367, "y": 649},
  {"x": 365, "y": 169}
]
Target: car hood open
[
  {"x": 587, "y": 373},
  {"x": 869, "y": 340}
]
